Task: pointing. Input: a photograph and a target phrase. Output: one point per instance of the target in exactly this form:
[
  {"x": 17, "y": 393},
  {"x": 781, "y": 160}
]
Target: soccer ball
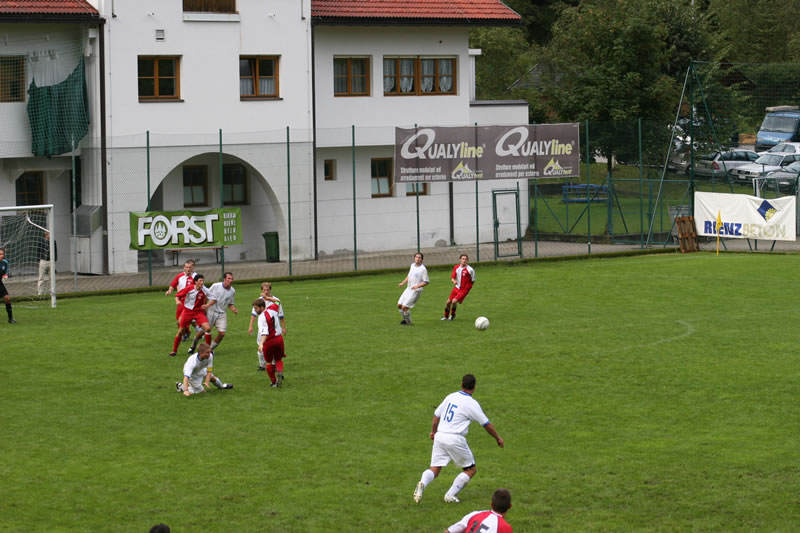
[{"x": 482, "y": 323}]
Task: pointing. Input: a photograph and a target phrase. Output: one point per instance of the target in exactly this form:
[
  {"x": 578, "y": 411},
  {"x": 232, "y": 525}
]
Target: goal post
[{"x": 31, "y": 250}]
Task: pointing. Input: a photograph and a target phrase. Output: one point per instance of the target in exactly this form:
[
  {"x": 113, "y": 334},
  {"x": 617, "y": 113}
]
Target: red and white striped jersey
[
  {"x": 464, "y": 276},
  {"x": 269, "y": 323},
  {"x": 481, "y": 522},
  {"x": 193, "y": 299}
]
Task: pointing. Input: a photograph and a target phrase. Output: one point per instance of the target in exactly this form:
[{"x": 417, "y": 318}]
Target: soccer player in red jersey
[
  {"x": 463, "y": 278},
  {"x": 493, "y": 521},
  {"x": 194, "y": 297},
  {"x": 269, "y": 328},
  {"x": 179, "y": 283}
]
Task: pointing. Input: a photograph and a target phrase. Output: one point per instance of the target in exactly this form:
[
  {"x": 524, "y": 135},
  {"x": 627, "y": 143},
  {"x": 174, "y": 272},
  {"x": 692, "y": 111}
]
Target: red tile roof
[
  {"x": 429, "y": 10},
  {"x": 36, "y": 8}
]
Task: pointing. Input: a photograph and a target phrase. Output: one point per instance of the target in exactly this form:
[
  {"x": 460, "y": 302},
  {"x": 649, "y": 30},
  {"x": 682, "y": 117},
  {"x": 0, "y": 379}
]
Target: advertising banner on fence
[
  {"x": 185, "y": 229},
  {"x": 486, "y": 152},
  {"x": 745, "y": 217}
]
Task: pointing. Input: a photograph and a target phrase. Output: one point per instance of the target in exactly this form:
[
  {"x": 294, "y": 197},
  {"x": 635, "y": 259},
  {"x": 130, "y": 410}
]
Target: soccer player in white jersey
[
  {"x": 449, "y": 435},
  {"x": 266, "y": 296},
  {"x": 197, "y": 373},
  {"x": 493, "y": 521},
  {"x": 416, "y": 279},
  {"x": 223, "y": 295}
]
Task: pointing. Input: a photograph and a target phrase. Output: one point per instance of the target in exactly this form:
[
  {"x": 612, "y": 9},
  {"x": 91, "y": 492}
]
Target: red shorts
[
  {"x": 188, "y": 315},
  {"x": 273, "y": 349},
  {"x": 459, "y": 294},
  {"x": 178, "y": 311}
]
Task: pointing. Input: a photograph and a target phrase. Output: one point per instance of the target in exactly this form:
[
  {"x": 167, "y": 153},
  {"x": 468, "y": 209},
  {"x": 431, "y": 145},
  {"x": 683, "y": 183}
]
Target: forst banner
[
  {"x": 185, "y": 229},
  {"x": 468, "y": 153},
  {"x": 745, "y": 217}
]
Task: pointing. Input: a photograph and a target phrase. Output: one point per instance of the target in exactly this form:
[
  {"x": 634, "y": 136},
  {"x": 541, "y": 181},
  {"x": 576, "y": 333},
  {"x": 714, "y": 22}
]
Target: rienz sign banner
[
  {"x": 185, "y": 229},
  {"x": 745, "y": 217},
  {"x": 486, "y": 152}
]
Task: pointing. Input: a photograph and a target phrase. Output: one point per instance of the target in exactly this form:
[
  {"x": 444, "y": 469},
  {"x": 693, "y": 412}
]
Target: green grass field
[{"x": 653, "y": 393}]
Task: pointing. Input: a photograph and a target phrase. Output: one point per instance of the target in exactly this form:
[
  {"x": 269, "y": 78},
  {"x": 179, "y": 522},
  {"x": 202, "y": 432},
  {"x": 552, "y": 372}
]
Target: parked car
[
  {"x": 763, "y": 165},
  {"x": 786, "y": 178},
  {"x": 789, "y": 148},
  {"x": 718, "y": 164}
]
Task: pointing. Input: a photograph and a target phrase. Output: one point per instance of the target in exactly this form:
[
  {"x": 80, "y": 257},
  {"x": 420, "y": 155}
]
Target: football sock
[
  {"x": 194, "y": 344},
  {"x": 214, "y": 344},
  {"x": 279, "y": 366},
  {"x": 176, "y": 343},
  {"x": 271, "y": 372},
  {"x": 427, "y": 477},
  {"x": 207, "y": 338},
  {"x": 217, "y": 382},
  {"x": 407, "y": 316},
  {"x": 459, "y": 483},
  {"x": 261, "y": 361},
  {"x": 446, "y": 312},
  {"x": 8, "y": 310}
]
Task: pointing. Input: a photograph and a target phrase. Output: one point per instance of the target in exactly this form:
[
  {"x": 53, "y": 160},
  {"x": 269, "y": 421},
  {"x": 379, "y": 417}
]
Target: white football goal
[{"x": 31, "y": 254}]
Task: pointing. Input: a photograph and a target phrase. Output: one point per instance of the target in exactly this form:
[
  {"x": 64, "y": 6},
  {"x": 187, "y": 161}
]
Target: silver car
[
  {"x": 763, "y": 165},
  {"x": 717, "y": 164},
  {"x": 789, "y": 148}
]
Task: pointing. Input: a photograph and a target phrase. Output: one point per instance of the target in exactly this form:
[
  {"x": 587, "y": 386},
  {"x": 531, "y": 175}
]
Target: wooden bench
[
  {"x": 577, "y": 193},
  {"x": 176, "y": 252}
]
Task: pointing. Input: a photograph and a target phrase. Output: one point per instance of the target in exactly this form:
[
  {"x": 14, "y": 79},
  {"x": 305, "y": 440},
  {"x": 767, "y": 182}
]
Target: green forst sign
[{"x": 185, "y": 229}]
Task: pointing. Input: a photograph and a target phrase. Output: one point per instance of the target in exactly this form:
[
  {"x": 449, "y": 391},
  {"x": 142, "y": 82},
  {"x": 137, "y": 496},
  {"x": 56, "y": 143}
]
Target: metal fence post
[
  {"x": 588, "y": 193},
  {"x": 355, "y": 231},
  {"x": 289, "y": 194},
  {"x": 149, "y": 251},
  {"x": 641, "y": 188},
  {"x": 221, "y": 203}
]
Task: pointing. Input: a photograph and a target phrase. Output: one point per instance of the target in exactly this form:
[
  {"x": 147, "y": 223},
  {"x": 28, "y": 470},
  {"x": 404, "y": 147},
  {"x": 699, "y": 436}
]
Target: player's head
[
  {"x": 188, "y": 266},
  {"x": 468, "y": 382},
  {"x": 463, "y": 259},
  {"x": 227, "y": 279},
  {"x": 160, "y": 528},
  {"x": 266, "y": 287},
  {"x": 204, "y": 351},
  {"x": 418, "y": 257},
  {"x": 259, "y": 305},
  {"x": 199, "y": 280},
  {"x": 501, "y": 500}
]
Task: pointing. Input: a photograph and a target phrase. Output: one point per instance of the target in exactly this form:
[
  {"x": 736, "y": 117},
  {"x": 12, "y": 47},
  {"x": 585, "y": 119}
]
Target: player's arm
[
  {"x": 405, "y": 280},
  {"x": 491, "y": 431},
  {"x": 186, "y": 386},
  {"x": 250, "y": 327},
  {"x": 283, "y": 325},
  {"x": 208, "y": 304},
  {"x": 233, "y": 308},
  {"x": 434, "y": 426}
]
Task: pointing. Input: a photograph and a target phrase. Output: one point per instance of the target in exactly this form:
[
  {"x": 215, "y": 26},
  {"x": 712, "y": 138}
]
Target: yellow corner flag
[{"x": 719, "y": 226}]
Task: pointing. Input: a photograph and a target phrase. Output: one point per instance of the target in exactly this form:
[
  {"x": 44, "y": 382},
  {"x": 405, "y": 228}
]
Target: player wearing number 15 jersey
[
  {"x": 449, "y": 434},
  {"x": 486, "y": 521}
]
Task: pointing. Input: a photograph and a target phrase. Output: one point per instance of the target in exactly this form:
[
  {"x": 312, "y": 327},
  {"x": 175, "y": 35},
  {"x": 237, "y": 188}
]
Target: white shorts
[
  {"x": 196, "y": 384},
  {"x": 409, "y": 298},
  {"x": 218, "y": 320},
  {"x": 449, "y": 446}
]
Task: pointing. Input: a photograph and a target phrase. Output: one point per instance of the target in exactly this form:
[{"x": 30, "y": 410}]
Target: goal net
[{"x": 31, "y": 254}]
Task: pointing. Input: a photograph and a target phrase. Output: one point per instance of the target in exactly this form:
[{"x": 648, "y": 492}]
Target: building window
[
  {"x": 234, "y": 184},
  {"x": 419, "y": 75},
  {"x": 209, "y": 6},
  {"x": 412, "y": 188},
  {"x": 159, "y": 78},
  {"x": 12, "y": 79},
  {"x": 381, "y": 177},
  {"x": 330, "y": 169},
  {"x": 351, "y": 76},
  {"x": 30, "y": 188},
  {"x": 195, "y": 186},
  {"x": 258, "y": 76}
]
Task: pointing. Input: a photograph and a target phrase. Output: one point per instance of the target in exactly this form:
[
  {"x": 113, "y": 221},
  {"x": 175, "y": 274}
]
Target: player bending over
[
  {"x": 197, "y": 373},
  {"x": 266, "y": 296},
  {"x": 463, "y": 278}
]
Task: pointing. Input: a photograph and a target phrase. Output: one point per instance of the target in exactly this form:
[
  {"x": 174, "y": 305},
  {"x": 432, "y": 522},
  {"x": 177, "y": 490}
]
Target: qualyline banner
[
  {"x": 745, "y": 217},
  {"x": 185, "y": 229},
  {"x": 486, "y": 153}
]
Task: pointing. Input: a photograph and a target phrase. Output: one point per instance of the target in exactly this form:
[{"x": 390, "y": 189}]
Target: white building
[{"x": 186, "y": 76}]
